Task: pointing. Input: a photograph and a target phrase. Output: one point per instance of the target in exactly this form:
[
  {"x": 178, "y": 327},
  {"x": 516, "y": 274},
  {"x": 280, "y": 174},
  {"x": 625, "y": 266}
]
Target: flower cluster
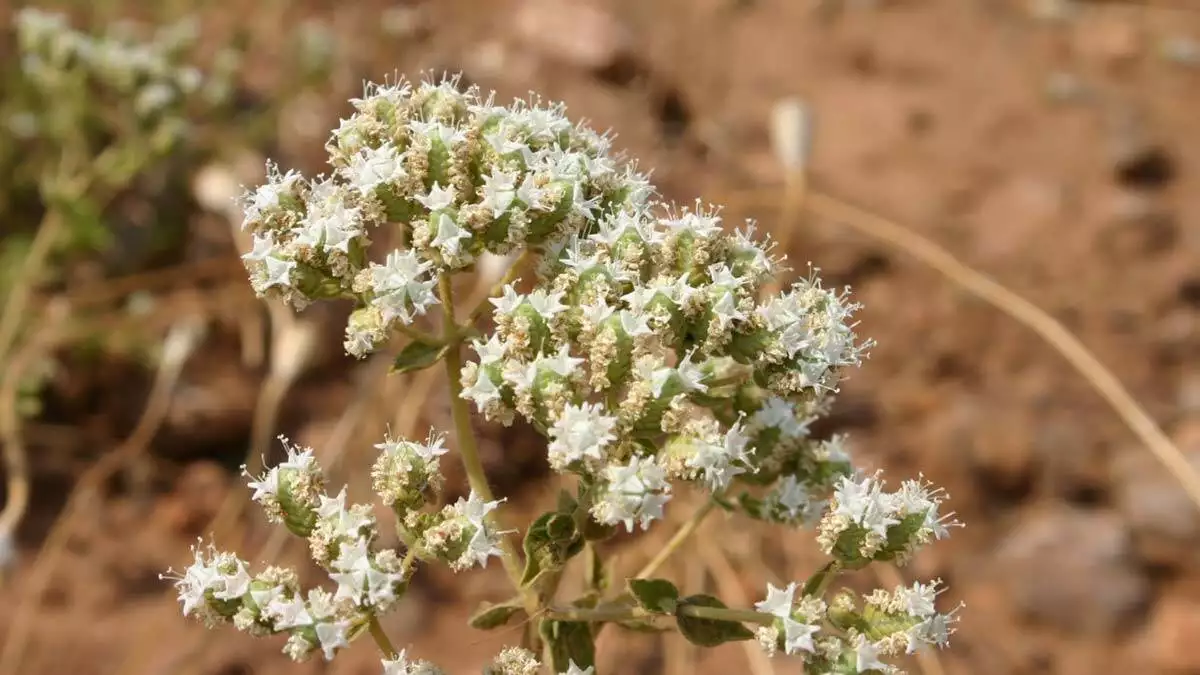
[
  {"x": 865, "y": 523},
  {"x": 888, "y": 624},
  {"x": 644, "y": 352},
  {"x": 519, "y": 661},
  {"x": 218, "y": 588},
  {"x": 645, "y": 356},
  {"x": 342, "y": 540},
  {"x": 150, "y": 73},
  {"x": 452, "y": 174}
]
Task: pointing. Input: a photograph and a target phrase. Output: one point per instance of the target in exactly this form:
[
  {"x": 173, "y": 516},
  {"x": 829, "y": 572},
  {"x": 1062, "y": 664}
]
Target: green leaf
[
  {"x": 549, "y": 543},
  {"x": 561, "y": 529},
  {"x": 416, "y": 356},
  {"x": 490, "y": 616},
  {"x": 708, "y": 632},
  {"x": 537, "y": 548},
  {"x": 818, "y": 580},
  {"x": 569, "y": 642},
  {"x": 655, "y": 595}
]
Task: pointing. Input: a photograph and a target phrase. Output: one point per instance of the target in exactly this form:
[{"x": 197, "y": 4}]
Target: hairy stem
[
  {"x": 618, "y": 613},
  {"x": 381, "y": 638},
  {"x": 688, "y": 529},
  {"x": 468, "y": 450}
]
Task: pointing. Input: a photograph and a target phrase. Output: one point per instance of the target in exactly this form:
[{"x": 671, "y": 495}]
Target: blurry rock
[
  {"x": 1163, "y": 520},
  {"x": 1072, "y": 568},
  {"x": 1002, "y": 462},
  {"x": 1072, "y": 465},
  {"x": 1138, "y": 223},
  {"x": 575, "y": 32},
  {"x": 1107, "y": 37},
  {"x": 1171, "y": 637},
  {"x": 1138, "y": 160}
]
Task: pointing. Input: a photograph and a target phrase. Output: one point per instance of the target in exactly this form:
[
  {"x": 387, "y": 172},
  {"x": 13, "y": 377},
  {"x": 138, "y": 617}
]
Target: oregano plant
[{"x": 641, "y": 350}]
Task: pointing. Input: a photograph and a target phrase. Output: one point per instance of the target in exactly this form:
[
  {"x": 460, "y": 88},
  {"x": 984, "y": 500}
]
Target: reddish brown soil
[{"x": 935, "y": 112}]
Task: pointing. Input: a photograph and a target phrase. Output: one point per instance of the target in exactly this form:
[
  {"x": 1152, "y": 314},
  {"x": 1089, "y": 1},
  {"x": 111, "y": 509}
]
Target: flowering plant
[{"x": 641, "y": 351}]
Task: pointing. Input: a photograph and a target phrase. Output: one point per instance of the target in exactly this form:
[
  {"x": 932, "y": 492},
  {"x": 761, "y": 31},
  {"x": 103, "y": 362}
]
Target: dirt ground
[{"x": 1059, "y": 155}]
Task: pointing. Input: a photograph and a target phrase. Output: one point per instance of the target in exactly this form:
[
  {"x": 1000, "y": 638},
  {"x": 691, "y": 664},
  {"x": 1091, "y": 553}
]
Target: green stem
[
  {"x": 468, "y": 450},
  {"x": 688, "y": 529},
  {"x": 819, "y": 582},
  {"x": 619, "y": 613},
  {"x": 381, "y": 638}
]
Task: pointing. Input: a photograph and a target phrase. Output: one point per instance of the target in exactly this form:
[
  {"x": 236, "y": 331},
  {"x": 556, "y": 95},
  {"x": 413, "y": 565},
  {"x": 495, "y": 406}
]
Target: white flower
[
  {"x": 484, "y": 542},
  {"x": 489, "y": 352},
  {"x": 580, "y": 432},
  {"x": 266, "y": 487},
  {"x": 687, "y": 374},
  {"x": 918, "y": 600},
  {"x": 779, "y": 601},
  {"x": 597, "y": 312},
  {"x": 263, "y": 247},
  {"x": 793, "y": 499},
  {"x": 725, "y": 311},
  {"x": 289, "y": 613},
  {"x": 636, "y": 493},
  {"x": 797, "y": 636},
  {"x": 396, "y": 666},
  {"x": 499, "y": 190},
  {"x": 546, "y": 304},
  {"x": 400, "y": 280},
  {"x": 198, "y": 579},
  {"x": 562, "y": 363},
  {"x": 346, "y": 522},
  {"x": 634, "y": 323},
  {"x": 332, "y": 636},
  {"x": 372, "y": 167},
  {"x": 866, "y": 657},
  {"x": 509, "y": 301},
  {"x": 449, "y": 235},
  {"x": 701, "y": 224},
  {"x": 718, "y": 460},
  {"x": 234, "y": 584},
  {"x": 437, "y": 199},
  {"x": 278, "y": 272},
  {"x": 690, "y": 375},
  {"x": 482, "y": 391}
]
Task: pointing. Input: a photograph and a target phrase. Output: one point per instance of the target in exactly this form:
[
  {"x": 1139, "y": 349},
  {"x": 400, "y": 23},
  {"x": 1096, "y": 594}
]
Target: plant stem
[
  {"x": 381, "y": 638},
  {"x": 819, "y": 582},
  {"x": 676, "y": 541},
  {"x": 726, "y": 614},
  {"x": 16, "y": 303},
  {"x": 617, "y": 613},
  {"x": 468, "y": 450}
]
